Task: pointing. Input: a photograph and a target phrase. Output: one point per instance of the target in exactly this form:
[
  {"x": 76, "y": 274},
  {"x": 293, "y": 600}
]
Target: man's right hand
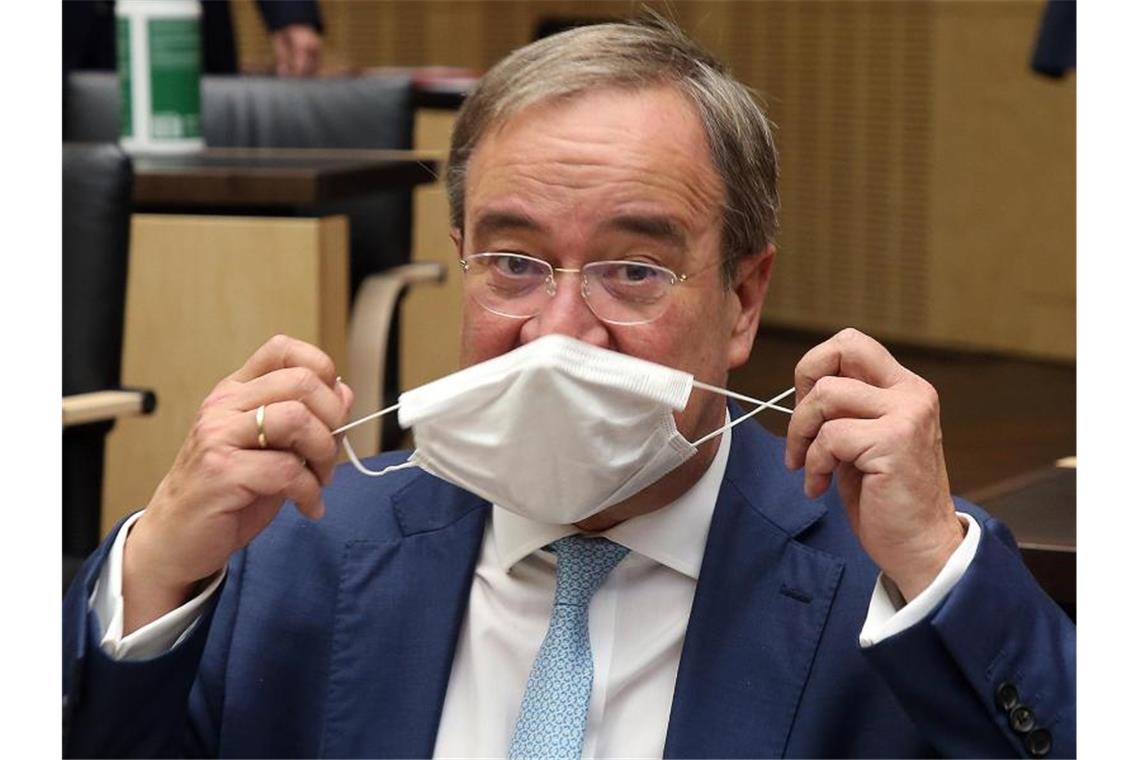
[{"x": 224, "y": 488}]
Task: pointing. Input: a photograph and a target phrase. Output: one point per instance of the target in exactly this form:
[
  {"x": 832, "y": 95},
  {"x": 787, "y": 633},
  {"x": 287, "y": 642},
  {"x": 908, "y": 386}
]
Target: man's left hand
[
  {"x": 873, "y": 424},
  {"x": 297, "y": 50}
]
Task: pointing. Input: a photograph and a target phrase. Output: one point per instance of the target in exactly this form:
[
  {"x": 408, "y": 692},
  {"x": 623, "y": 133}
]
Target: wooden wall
[{"x": 928, "y": 176}]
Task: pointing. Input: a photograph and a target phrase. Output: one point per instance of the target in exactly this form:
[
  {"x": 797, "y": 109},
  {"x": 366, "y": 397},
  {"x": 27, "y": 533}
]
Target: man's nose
[{"x": 567, "y": 313}]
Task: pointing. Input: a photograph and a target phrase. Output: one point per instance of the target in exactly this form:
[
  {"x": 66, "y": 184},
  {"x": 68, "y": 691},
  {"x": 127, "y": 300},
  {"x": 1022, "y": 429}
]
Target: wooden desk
[
  {"x": 1040, "y": 508},
  {"x": 274, "y": 178},
  {"x": 245, "y": 255}
]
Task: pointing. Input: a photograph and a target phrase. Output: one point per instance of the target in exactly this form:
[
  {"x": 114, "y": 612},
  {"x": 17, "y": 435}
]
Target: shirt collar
[{"x": 674, "y": 535}]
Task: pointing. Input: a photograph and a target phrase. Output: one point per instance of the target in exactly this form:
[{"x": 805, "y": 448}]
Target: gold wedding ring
[{"x": 259, "y": 417}]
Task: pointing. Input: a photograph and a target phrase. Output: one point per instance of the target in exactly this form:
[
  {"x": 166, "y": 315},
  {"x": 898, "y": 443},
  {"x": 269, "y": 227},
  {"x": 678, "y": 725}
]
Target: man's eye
[
  {"x": 517, "y": 266},
  {"x": 636, "y": 273}
]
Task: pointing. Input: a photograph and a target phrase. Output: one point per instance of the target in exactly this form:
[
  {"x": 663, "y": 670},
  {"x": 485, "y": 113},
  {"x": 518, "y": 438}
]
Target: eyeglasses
[{"x": 617, "y": 292}]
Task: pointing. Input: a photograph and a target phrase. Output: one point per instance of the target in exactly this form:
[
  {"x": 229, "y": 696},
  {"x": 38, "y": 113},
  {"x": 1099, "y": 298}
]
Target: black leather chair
[
  {"x": 91, "y": 107},
  {"x": 96, "y": 231},
  {"x": 368, "y": 112}
]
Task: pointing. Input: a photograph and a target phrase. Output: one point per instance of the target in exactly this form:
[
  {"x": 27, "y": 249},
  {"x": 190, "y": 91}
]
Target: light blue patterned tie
[{"x": 552, "y": 719}]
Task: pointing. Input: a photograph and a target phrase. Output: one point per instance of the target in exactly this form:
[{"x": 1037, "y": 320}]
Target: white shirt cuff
[
  {"x": 153, "y": 639},
  {"x": 888, "y": 614}
]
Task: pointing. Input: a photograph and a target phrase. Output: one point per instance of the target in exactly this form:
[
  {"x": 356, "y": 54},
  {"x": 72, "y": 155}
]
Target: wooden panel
[
  {"x": 928, "y": 176},
  {"x": 1003, "y": 192},
  {"x": 202, "y": 294},
  {"x": 848, "y": 83},
  {"x": 430, "y": 314},
  {"x": 254, "y": 51}
]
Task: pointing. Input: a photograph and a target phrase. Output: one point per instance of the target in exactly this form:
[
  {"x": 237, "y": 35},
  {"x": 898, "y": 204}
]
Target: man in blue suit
[{"x": 823, "y": 596}]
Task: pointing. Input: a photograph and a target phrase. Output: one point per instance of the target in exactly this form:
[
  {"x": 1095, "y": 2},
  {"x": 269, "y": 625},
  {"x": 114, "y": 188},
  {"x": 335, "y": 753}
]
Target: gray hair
[{"x": 635, "y": 55}]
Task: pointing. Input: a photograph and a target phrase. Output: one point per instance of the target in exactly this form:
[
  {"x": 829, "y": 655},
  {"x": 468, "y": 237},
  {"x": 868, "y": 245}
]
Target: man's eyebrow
[
  {"x": 658, "y": 227},
  {"x": 492, "y": 222}
]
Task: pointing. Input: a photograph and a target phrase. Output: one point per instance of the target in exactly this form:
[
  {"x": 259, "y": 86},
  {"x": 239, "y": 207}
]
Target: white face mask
[{"x": 556, "y": 430}]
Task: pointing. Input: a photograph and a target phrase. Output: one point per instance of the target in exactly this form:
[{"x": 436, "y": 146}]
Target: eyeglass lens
[{"x": 619, "y": 292}]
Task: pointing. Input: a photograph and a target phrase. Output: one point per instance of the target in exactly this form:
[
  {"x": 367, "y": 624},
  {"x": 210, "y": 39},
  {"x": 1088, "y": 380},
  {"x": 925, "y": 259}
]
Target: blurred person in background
[{"x": 294, "y": 27}]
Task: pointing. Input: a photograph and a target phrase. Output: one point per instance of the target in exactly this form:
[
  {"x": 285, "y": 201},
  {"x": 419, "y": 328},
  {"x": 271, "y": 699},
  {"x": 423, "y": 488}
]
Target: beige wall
[{"x": 928, "y": 176}]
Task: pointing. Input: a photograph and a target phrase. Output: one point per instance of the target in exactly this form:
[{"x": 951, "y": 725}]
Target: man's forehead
[
  {"x": 662, "y": 227},
  {"x": 665, "y": 100},
  {"x": 553, "y": 101},
  {"x": 635, "y": 146}
]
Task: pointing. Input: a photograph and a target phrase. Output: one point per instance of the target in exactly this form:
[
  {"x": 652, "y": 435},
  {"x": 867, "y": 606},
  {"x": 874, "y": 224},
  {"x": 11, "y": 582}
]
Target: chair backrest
[
  {"x": 343, "y": 112},
  {"x": 96, "y": 230},
  {"x": 373, "y": 111},
  {"x": 96, "y": 233}
]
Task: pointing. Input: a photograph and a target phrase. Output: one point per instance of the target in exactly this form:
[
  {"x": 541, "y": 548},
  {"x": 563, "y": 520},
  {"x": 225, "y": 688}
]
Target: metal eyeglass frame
[{"x": 552, "y": 284}]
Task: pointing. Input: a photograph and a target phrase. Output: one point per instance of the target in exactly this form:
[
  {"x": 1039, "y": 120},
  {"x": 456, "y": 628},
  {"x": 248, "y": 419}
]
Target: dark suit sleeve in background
[
  {"x": 281, "y": 13},
  {"x": 1056, "y": 51}
]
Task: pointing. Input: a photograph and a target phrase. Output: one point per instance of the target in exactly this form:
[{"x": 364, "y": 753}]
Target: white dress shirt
[{"x": 637, "y": 623}]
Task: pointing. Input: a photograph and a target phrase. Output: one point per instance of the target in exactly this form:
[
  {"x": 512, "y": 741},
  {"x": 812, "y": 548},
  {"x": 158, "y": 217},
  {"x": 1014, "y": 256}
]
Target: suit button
[
  {"x": 1021, "y": 719},
  {"x": 1007, "y": 697},
  {"x": 1039, "y": 743}
]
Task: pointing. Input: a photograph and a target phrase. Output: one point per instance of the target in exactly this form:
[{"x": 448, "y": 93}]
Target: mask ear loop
[
  {"x": 761, "y": 406},
  {"x": 356, "y": 460}
]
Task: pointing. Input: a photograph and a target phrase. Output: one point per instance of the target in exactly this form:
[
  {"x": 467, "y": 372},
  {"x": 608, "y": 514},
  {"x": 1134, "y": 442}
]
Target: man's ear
[
  {"x": 750, "y": 288},
  {"x": 457, "y": 239}
]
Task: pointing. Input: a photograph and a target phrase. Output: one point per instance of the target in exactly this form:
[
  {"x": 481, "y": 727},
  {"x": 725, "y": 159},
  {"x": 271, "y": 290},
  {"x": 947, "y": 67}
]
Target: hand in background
[
  {"x": 874, "y": 425},
  {"x": 296, "y": 50}
]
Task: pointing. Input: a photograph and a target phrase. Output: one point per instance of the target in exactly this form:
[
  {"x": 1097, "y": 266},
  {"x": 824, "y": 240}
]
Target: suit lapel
[
  {"x": 399, "y": 608},
  {"x": 760, "y": 607},
  {"x": 761, "y": 603}
]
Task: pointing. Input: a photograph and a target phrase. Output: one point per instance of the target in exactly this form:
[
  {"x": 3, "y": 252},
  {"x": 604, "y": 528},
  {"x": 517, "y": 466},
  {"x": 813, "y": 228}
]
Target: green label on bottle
[
  {"x": 174, "y": 75},
  {"x": 123, "y": 56}
]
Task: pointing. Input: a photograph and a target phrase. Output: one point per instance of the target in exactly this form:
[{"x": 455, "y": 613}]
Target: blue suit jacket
[{"x": 336, "y": 638}]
